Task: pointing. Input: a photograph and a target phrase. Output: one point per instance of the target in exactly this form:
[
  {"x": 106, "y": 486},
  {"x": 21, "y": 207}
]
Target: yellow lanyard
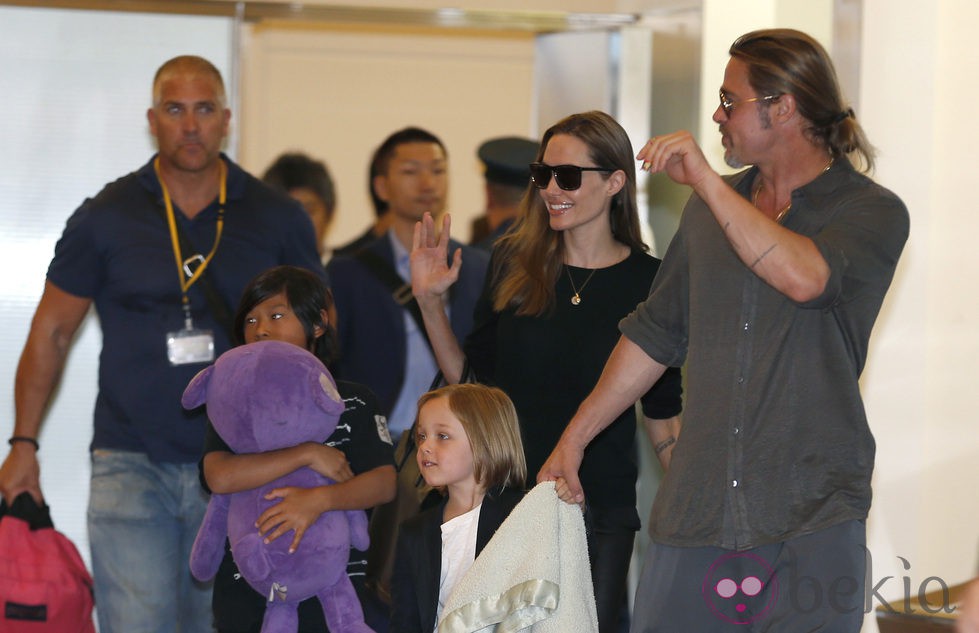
[{"x": 186, "y": 281}]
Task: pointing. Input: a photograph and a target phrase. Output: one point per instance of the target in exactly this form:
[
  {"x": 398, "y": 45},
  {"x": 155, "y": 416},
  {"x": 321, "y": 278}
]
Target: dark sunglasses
[{"x": 567, "y": 177}]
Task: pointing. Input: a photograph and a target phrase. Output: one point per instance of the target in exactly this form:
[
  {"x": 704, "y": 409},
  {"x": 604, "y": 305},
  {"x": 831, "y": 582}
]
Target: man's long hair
[{"x": 786, "y": 61}]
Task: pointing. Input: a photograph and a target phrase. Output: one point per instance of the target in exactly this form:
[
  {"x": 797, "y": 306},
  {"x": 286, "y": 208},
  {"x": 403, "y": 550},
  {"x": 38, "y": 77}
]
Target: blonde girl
[{"x": 469, "y": 447}]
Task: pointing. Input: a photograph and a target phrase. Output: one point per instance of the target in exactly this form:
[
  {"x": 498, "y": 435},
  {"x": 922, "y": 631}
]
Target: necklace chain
[
  {"x": 785, "y": 209},
  {"x": 576, "y": 297}
]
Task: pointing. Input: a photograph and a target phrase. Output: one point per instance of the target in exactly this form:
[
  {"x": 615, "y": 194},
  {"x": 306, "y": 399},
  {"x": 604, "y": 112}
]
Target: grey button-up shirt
[{"x": 775, "y": 441}]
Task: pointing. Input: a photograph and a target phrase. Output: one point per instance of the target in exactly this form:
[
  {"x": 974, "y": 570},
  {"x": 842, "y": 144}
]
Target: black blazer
[{"x": 418, "y": 560}]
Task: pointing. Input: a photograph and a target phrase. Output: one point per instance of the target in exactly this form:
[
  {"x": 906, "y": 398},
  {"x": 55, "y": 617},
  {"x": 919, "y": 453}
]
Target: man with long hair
[{"x": 767, "y": 295}]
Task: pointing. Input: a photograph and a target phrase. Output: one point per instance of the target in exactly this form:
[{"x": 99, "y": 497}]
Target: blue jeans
[{"x": 142, "y": 521}]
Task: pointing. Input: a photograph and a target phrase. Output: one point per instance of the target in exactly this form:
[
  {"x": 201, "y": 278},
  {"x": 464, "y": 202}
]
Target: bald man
[{"x": 162, "y": 322}]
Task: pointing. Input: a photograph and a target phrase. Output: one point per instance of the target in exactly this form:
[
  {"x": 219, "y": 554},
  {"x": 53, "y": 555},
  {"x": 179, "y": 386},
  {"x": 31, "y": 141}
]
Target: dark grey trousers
[{"x": 814, "y": 582}]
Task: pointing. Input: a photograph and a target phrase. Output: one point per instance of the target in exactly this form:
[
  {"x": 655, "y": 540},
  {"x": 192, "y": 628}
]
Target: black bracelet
[{"x": 24, "y": 438}]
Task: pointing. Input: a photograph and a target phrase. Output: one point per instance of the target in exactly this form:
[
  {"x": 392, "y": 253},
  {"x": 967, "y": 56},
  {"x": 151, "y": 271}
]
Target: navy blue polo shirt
[{"x": 116, "y": 250}]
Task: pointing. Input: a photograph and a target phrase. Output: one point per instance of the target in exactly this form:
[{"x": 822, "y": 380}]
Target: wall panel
[{"x": 336, "y": 93}]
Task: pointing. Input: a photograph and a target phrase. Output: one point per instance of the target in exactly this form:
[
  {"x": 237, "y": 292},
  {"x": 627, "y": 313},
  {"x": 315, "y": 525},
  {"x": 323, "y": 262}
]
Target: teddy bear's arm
[{"x": 208, "y": 550}]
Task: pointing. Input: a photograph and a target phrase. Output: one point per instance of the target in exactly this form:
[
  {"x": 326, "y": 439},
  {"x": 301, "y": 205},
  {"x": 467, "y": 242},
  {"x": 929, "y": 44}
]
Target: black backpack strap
[{"x": 400, "y": 289}]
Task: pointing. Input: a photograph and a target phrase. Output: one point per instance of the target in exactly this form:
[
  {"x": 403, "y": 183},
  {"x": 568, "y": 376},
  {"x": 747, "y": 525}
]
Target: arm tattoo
[
  {"x": 763, "y": 256},
  {"x": 665, "y": 444}
]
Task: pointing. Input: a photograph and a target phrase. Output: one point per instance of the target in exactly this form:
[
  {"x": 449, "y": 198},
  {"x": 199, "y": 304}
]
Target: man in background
[
  {"x": 506, "y": 163},
  {"x": 163, "y": 253},
  {"x": 307, "y": 181},
  {"x": 382, "y": 220},
  {"x": 382, "y": 341}
]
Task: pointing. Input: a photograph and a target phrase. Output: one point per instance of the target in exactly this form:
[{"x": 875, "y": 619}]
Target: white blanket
[{"x": 533, "y": 575}]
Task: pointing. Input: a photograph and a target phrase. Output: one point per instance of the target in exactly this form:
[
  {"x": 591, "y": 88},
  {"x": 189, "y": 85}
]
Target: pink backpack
[{"x": 44, "y": 586}]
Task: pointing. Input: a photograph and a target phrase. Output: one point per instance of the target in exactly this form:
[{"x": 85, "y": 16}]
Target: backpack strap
[{"x": 400, "y": 290}]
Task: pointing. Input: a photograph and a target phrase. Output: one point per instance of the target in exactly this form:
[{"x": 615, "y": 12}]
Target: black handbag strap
[
  {"x": 400, "y": 289},
  {"x": 217, "y": 306},
  {"x": 401, "y": 293}
]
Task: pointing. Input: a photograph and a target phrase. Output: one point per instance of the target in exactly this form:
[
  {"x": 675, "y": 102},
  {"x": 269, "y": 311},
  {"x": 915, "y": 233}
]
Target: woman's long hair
[{"x": 528, "y": 259}]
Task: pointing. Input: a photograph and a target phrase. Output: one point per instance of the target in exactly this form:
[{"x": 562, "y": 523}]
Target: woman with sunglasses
[{"x": 560, "y": 280}]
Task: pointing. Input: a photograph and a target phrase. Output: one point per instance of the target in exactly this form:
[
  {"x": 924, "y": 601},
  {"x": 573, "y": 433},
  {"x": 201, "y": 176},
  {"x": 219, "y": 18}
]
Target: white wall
[
  {"x": 918, "y": 95},
  {"x": 337, "y": 93}
]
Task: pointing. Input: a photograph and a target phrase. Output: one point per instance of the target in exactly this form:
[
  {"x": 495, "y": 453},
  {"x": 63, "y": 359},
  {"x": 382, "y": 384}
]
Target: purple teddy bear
[{"x": 261, "y": 397}]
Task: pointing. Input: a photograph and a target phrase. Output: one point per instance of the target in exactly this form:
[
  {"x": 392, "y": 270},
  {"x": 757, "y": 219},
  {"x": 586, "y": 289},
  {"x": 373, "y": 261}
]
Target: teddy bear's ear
[
  {"x": 196, "y": 392},
  {"x": 329, "y": 398}
]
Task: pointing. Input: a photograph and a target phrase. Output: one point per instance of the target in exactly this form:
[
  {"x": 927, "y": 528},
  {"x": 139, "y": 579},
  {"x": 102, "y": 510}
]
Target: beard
[
  {"x": 732, "y": 160},
  {"x": 730, "y": 156}
]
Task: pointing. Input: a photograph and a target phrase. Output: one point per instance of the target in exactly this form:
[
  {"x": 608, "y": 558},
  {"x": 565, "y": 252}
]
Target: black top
[
  {"x": 239, "y": 608},
  {"x": 549, "y": 364},
  {"x": 775, "y": 440}
]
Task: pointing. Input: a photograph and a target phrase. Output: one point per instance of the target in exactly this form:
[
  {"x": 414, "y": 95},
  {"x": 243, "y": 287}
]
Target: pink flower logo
[{"x": 740, "y": 588}]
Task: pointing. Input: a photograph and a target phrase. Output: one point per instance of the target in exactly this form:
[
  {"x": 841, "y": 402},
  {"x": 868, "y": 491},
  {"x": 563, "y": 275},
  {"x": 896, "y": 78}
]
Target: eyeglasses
[
  {"x": 567, "y": 177},
  {"x": 727, "y": 105}
]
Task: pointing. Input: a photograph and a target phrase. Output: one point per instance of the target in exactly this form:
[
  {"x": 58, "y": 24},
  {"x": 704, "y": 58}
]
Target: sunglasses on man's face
[{"x": 567, "y": 177}]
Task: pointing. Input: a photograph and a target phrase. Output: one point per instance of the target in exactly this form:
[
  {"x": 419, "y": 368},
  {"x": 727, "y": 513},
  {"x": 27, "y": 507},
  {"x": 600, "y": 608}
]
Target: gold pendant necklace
[
  {"x": 754, "y": 201},
  {"x": 576, "y": 297},
  {"x": 785, "y": 209}
]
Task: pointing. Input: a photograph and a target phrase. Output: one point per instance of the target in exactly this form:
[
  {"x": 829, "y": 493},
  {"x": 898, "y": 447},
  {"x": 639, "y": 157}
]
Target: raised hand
[
  {"x": 678, "y": 155},
  {"x": 431, "y": 275}
]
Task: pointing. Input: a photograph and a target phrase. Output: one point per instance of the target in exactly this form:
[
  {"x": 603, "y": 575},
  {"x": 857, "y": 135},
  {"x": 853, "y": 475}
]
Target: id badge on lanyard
[{"x": 190, "y": 345}]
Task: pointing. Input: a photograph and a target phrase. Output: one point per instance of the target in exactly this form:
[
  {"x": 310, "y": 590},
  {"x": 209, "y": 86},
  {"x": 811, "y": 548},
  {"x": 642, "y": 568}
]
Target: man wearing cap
[{"x": 506, "y": 160}]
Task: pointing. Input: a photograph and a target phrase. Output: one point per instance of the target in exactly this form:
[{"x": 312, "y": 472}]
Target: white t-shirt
[{"x": 458, "y": 553}]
